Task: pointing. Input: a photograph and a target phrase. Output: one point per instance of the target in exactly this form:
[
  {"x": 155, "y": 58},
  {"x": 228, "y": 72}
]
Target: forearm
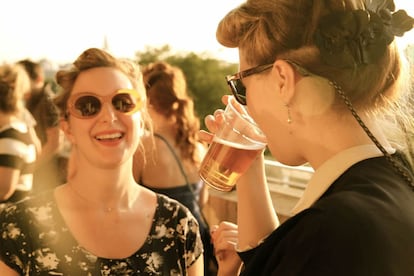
[
  {"x": 6, "y": 192},
  {"x": 203, "y": 196},
  {"x": 197, "y": 267},
  {"x": 9, "y": 178},
  {"x": 6, "y": 270},
  {"x": 255, "y": 213}
]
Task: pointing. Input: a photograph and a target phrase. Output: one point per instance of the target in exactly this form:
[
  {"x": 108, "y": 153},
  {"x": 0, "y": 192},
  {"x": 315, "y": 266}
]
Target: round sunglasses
[{"x": 88, "y": 105}]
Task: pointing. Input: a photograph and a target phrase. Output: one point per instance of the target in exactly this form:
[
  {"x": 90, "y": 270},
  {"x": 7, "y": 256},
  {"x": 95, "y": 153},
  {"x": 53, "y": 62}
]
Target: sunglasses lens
[
  {"x": 124, "y": 102},
  {"x": 87, "y": 106},
  {"x": 238, "y": 90}
]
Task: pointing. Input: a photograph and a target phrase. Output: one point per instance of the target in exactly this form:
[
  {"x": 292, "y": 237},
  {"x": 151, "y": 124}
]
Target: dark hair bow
[{"x": 352, "y": 38}]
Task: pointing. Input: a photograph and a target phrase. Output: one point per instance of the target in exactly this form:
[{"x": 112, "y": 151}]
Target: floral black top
[{"x": 34, "y": 240}]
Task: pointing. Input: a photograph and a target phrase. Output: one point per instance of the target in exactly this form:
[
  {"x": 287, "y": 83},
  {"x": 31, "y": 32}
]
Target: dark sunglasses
[
  {"x": 236, "y": 85},
  {"x": 239, "y": 90},
  {"x": 88, "y": 105}
]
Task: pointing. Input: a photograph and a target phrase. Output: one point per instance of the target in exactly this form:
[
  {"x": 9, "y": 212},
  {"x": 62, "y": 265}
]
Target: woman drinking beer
[{"x": 324, "y": 82}]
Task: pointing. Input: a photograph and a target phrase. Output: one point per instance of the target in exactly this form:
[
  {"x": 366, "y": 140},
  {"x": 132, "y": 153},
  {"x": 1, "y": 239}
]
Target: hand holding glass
[{"x": 234, "y": 147}]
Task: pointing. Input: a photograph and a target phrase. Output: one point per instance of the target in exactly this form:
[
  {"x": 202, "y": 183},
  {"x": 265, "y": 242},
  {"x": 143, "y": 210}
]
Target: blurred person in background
[
  {"x": 19, "y": 144},
  {"x": 173, "y": 154},
  {"x": 39, "y": 102},
  {"x": 101, "y": 222}
]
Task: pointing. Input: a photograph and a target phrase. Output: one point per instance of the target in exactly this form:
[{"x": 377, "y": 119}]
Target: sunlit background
[{"x": 59, "y": 30}]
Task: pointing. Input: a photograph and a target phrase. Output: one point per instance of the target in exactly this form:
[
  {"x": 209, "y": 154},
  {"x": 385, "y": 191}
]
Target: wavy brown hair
[{"x": 167, "y": 93}]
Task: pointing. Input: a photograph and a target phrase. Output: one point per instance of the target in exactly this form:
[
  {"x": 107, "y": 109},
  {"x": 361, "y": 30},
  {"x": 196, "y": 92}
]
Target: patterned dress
[{"x": 34, "y": 240}]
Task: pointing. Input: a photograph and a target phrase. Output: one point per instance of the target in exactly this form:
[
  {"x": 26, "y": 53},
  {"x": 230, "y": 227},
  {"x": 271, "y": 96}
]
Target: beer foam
[{"x": 255, "y": 146}]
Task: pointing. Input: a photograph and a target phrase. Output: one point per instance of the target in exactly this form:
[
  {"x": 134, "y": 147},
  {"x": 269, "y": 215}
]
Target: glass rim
[{"x": 247, "y": 118}]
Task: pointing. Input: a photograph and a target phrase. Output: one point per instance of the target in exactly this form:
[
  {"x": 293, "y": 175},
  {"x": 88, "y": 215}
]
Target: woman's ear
[
  {"x": 287, "y": 83},
  {"x": 65, "y": 126}
]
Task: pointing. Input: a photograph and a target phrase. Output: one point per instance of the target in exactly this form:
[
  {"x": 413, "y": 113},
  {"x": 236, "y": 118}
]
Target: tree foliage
[{"x": 205, "y": 76}]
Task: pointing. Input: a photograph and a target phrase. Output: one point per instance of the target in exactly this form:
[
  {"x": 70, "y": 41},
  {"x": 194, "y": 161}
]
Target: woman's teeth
[{"x": 109, "y": 136}]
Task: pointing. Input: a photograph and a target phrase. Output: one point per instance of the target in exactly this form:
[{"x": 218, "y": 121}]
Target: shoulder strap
[
  {"x": 184, "y": 174},
  {"x": 177, "y": 160}
]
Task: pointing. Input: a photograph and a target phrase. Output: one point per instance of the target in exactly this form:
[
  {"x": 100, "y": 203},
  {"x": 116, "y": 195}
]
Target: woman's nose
[{"x": 108, "y": 112}]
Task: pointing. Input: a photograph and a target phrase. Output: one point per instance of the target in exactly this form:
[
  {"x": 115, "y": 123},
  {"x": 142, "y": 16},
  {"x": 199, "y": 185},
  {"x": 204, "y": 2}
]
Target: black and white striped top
[{"x": 18, "y": 151}]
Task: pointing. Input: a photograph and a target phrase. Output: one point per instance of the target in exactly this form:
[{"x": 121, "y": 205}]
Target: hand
[
  {"x": 224, "y": 238},
  {"x": 213, "y": 123}
]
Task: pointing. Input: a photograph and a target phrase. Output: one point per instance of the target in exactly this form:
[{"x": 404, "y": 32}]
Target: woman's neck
[
  {"x": 342, "y": 134},
  {"x": 103, "y": 190}
]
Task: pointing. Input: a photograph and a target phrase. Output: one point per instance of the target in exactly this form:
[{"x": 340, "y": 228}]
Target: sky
[{"x": 59, "y": 30}]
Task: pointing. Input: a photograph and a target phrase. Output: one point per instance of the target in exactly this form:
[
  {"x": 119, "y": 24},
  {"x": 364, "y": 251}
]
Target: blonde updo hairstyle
[
  {"x": 267, "y": 30},
  {"x": 284, "y": 29}
]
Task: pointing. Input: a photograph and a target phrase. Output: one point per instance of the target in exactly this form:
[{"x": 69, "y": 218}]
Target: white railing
[
  {"x": 296, "y": 177},
  {"x": 286, "y": 185}
]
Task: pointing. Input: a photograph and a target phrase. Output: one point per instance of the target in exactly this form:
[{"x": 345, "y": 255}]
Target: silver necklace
[{"x": 106, "y": 209}]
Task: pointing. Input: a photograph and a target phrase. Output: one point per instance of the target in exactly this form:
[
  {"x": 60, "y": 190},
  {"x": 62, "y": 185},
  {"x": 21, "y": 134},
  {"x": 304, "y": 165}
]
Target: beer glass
[{"x": 234, "y": 147}]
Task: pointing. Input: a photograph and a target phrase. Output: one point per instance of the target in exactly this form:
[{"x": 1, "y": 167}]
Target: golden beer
[{"x": 225, "y": 162}]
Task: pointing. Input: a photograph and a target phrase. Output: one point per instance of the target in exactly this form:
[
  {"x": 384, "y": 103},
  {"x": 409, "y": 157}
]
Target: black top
[
  {"x": 362, "y": 225},
  {"x": 184, "y": 195}
]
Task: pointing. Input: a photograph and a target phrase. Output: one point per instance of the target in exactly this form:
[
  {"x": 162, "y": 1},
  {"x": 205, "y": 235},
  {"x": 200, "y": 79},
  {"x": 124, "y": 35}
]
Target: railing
[
  {"x": 295, "y": 177},
  {"x": 286, "y": 186}
]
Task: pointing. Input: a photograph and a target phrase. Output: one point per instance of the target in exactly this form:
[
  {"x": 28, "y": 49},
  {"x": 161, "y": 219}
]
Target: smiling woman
[{"x": 143, "y": 230}]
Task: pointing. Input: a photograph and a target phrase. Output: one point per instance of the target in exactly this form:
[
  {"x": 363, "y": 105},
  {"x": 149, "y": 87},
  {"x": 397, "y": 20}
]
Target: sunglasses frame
[
  {"x": 103, "y": 99},
  {"x": 234, "y": 81}
]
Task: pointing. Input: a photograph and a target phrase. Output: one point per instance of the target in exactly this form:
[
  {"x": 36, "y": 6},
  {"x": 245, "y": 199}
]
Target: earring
[{"x": 289, "y": 118}]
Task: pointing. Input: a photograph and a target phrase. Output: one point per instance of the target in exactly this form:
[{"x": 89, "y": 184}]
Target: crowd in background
[{"x": 28, "y": 111}]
